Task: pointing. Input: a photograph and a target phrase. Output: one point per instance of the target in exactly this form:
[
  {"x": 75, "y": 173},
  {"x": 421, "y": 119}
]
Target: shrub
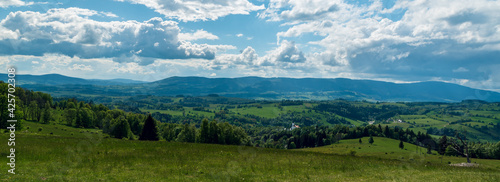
[
  {"x": 40, "y": 129},
  {"x": 352, "y": 152}
]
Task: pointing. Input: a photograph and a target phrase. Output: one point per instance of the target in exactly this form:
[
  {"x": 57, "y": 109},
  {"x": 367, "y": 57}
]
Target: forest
[{"x": 220, "y": 122}]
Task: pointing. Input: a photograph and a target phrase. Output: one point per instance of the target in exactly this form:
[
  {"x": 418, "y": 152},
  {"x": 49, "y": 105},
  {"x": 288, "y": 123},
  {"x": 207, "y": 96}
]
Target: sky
[{"x": 455, "y": 41}]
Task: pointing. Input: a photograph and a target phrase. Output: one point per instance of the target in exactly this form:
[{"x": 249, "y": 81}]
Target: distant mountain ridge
[
  {"x": 57, "y": 79},
  {"x": 259, "y": 88}
]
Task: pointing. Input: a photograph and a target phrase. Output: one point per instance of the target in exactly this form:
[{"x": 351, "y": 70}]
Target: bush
[
  {"x": 352, "y": 152},
  {"x": 40, "y": 129}
]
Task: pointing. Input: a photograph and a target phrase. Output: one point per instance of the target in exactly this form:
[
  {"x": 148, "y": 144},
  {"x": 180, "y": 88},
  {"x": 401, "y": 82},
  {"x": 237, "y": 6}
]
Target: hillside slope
[
  {"x": 90, "y": 156},
  {"x": 259, "y": 88}
]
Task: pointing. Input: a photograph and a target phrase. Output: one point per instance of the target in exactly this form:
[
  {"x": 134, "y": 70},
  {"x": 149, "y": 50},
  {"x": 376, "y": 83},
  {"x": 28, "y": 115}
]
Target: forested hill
[
  {"x": 259, "y": 88},
  {"x": 56, "y": 79}
]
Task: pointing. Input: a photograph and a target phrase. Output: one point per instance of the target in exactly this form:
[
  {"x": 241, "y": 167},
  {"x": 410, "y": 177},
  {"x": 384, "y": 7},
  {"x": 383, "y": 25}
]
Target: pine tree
[
  {"x": 149, "y": 131},
  {"x": 401, "y": 144},
  {"x": 371, "y": 140}
]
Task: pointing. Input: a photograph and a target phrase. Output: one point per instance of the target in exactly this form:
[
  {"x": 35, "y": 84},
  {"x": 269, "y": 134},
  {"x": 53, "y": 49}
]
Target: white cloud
[
  {"x": 109, "y": 14},
  {"x": 287, "y": 52},
  {"x": 199, "y": 34},
  {"x": 7, "y": 3},
  {"x": 285, "y": 59},
  {"x": 239, "y": 35},
  {"x": 430, "y": 36},
  {"x": 194, "y": 10},
  {"x": 81, "y": 67},
  {"x": 460, "y": 69},
  {"x": 71, "y": 32}
]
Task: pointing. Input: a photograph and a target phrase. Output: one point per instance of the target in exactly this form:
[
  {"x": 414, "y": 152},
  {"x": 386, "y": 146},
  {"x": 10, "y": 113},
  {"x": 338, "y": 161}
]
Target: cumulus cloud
[
  {"x": 199, "y": 34},
  {"x": 288, "y": 52},
  {"x": 431, "y": 37},
  {"x": 71, "y": 32},
  {"x": 300, "y": 10},
  {"x": 284, "y": 59},
  {"x": 194, "y": 10},
  {"x": 7, "y": 3}
]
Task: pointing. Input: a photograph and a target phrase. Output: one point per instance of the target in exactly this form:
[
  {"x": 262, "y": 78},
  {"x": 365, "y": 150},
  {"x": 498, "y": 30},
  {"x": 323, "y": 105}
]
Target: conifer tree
[
  {"x": 360, "y": 141},
  {"x": 371, "y": 140},
  {"x": 401, "y": 144},
  {"x": 149, "y": 131}
]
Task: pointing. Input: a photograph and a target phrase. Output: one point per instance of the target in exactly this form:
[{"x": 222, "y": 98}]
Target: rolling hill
[{"x": 259, "y": 88}]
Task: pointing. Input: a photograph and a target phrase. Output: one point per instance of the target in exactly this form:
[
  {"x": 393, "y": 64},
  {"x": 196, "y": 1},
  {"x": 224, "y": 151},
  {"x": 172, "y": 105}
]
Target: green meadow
[{"x": 61, "y": 153}]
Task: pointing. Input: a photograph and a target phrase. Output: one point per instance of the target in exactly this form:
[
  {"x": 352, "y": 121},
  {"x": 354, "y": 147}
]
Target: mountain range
[{"x": 257, "y": 88}]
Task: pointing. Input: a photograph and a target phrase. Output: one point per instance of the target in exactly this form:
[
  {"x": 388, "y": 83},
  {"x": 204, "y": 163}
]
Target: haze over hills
[
  {"x": 57, "y": 79},
  {"x": 258, "y": 88}
]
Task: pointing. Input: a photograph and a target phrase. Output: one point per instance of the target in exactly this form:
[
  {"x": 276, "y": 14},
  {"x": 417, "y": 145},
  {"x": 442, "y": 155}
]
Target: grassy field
[
  {"x": 386, "y": 148},
  {"x": 417, "y": 116},
  {"x": 70, "y": 154}
]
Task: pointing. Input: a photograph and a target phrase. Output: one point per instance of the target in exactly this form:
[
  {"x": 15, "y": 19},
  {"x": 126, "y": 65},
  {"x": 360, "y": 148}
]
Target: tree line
[
  {"x": 224, "y": 128},
  {"x": 41, "y": 107}
]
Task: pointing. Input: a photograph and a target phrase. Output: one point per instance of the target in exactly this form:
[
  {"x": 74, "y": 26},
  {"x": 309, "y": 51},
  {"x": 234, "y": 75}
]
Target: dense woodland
[{"x": 226, "y": 127}]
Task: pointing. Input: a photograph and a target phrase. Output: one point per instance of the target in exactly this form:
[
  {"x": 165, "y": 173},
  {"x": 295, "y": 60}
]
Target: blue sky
[{"x": 456, "y": 41}]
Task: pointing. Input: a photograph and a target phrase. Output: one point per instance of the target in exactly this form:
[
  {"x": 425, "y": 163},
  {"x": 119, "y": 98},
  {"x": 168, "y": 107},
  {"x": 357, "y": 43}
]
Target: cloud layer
[
  {"x": 71, "y": 32},
  {"x": 402, "y": 41},
  {"x": 449, "y": 40},
  {"x": 194, "y": 10}
]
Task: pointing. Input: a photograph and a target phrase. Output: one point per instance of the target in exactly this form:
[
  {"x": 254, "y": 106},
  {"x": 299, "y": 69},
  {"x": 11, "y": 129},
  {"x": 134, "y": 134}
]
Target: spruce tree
[
  {"x": 360, "y": 141},
  {"x": 371, "y": 140},
  {"x": 149, "y": 131},
  {"x": 401, "y": 144}
]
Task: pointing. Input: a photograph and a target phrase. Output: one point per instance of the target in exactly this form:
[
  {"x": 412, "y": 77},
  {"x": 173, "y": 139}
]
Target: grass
[
  {"x": 385, "y": 148},
  {"x": 266, "y": 112},
  {"x": 84, "y": 156}
]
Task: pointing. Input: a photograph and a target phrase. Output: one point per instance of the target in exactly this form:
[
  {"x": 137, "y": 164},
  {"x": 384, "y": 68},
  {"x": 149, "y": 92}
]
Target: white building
[{"x": 294, "y": 126}]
